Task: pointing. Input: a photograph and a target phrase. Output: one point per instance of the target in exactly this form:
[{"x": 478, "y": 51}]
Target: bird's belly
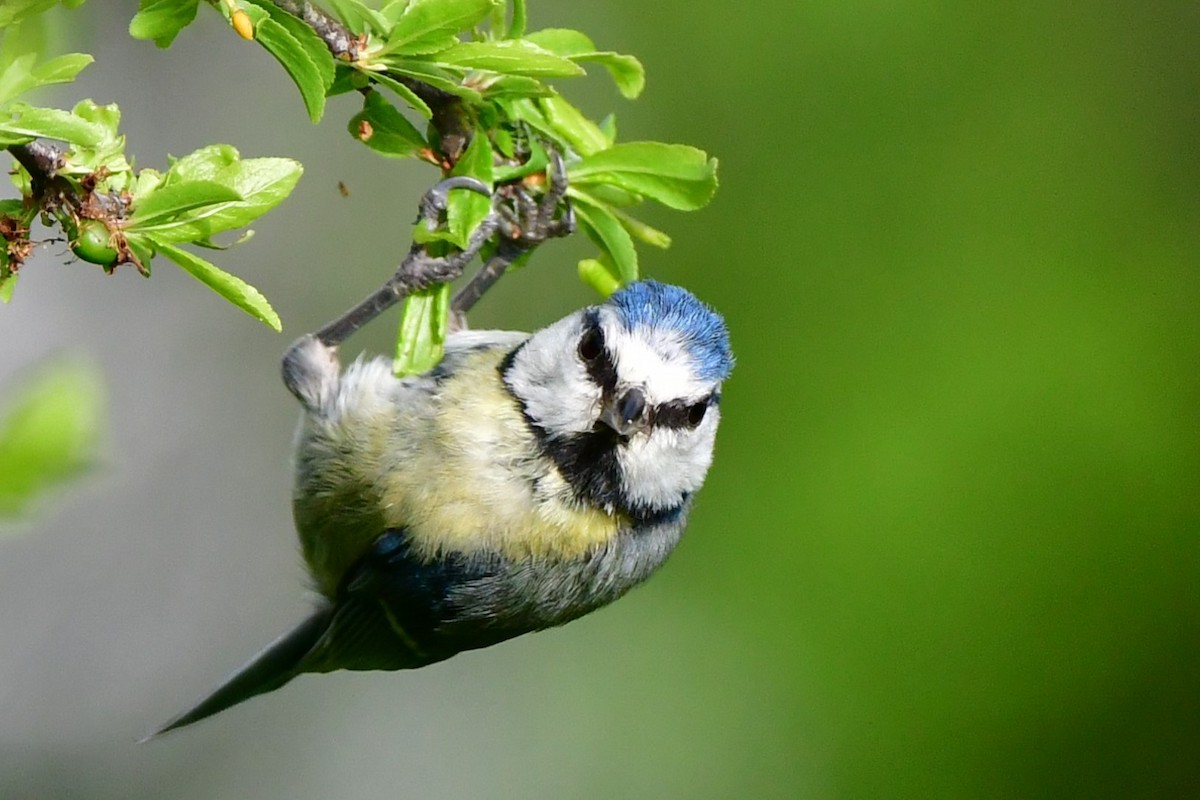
[{"x": 495, "y": 514}]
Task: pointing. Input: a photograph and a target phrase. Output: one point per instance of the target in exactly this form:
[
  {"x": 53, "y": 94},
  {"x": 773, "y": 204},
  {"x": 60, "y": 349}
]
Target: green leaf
[
  {"x": 262, "y": 183},
  {"x": 641, "y": 231},
  {"x": 428, "y": 26},
  {"x": 392, "y": 10},
  {"x": 498, "y": 85},
  {"x": 435, "y": 76},
  {"x": 16, "y": 77},
  {"x": 569, "y": 122},
  {"x": 62, "y": 69},
  {"x": 421, "y": 339},
  {"x": 511, "y": 57},
  {"x": 146, "y": 182},
  {"x": 390, "y": 133},
  {"x": 608, "y": 126},
  {"x": 536, "y": 162},
  {"x": 109, "y": 153},
  {"x": 15, "y": 10},
  {"x": 49, "y": 433},
  {"x": 52, "y": 123},
  {"x": 359, "y": 18},
  {"x": 231, "y": 287},
  {"x": 346, "y": 79},
  {"x": 404, "y": 93},
  {"x": 599, "y": 276},
  {"x": 516, "y": 28},
  {"x": 675, "y": 175},
  {"x": 627, "y": 72},
  {"x": 301, "y": 52},
  {"x": 7, "y": 283},
  {"x": 603, "y": 228},
  {"x": 466, "y": 209},
  {"x": 173, "y": 200},
  {"x": 162, "y": 20},
  {"x": 562, "y": 41}
]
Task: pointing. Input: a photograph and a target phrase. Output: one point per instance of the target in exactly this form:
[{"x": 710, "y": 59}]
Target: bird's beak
[{"x": 626, "y": 411}]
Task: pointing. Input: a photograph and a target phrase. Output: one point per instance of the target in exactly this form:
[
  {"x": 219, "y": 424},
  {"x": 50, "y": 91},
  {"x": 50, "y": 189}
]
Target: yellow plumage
[{"x": 466, "y": 477}]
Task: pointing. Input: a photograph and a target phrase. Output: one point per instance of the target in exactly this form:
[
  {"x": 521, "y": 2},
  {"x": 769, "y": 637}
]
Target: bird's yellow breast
[
  {"x": 458, "y": 469},
  {"x": 483, "y": 485}
]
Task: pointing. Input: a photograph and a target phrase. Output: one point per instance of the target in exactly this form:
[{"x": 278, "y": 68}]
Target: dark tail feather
[{"x": 277, "y": 664}]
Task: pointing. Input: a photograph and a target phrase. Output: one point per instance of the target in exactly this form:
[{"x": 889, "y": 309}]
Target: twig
[
  {"x": 452, "y": 123},
  {"x": 41, "y": 161},
  {"x": 340, "y": 40},
  {"x": 450, "y": 118}
]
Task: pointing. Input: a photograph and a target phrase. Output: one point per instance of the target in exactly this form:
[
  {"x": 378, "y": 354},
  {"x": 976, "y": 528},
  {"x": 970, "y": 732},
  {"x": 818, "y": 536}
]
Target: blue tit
[{"x": 523, "y": 482}]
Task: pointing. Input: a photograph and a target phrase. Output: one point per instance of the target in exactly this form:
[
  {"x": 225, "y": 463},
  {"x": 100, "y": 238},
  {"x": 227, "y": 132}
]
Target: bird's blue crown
[{"x": 666, "y": 307}]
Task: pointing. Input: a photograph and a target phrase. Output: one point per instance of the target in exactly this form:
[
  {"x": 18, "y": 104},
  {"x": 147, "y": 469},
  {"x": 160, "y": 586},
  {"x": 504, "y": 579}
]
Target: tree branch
[
  {"x": 450, "y": 118},
  {"x": 343, "y": 43},
  {"x": 41, "y": 161}
]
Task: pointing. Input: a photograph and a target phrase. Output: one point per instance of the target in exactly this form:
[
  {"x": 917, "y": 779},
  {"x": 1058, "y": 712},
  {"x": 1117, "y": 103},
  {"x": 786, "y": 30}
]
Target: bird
[{"x": 524, "y": 481}]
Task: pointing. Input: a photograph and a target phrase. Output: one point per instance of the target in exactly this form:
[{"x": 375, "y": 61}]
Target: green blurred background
[{"x": 949, "y": 544}]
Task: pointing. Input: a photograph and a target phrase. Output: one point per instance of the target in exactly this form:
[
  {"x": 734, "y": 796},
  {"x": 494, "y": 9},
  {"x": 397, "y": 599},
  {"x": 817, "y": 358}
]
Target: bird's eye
[
  {"x": 591, "y": 346},
  {"x": 695, "y": 413}
]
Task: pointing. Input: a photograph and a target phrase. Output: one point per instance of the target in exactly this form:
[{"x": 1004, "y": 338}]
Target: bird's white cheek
[{"x": 659, "y": 470}]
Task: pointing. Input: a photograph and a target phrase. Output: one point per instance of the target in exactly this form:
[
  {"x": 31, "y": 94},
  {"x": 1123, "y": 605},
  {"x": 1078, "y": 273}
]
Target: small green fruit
[{"x": 93, "y": 243}]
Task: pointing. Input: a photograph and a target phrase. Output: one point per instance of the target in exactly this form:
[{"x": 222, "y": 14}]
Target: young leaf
[
  {"x": 30, "y": 122},
  {"x": 562, "y": 41},
  {"x": 109, "y": 153},
  {"x": 498, "y": 85},
  {"x": 384, "y": 129},
  {"x": 510, "y": 57},
  {"x": 421, "y": 338},
  {"x": 428, "y": 26},
  {"x": 597, "y": 275},
  {"x": 177, "y": 199},
  {"x": 466, "y": 209},
  {"x": 359, "y": 18},
  {"x": 609, "y": 235},
  {"x": 301, "y": 52},
  {"x": 392, "y": 10},
  {"x": 608, "y": 126},
  {"x": 404, "y": 93},
  {"x": 62, "y": 69},
  {"x": 15, "y": 10},
  {"x": 263, "y": 183},
  {"x": 675, "y": 175},
  {"x": 50, "y": 431},
  {"x": 162, "y": 20},
  {"x": 16, "y": 71},
  {"x": 569, "y": 122},
  {"x": 232, "y": 288},
  {"x": 8, "y": 282},
  {"x": 536, "y": 162},
  {"x": 641, "y": 231},
  {"x": 627, "y": 72}
]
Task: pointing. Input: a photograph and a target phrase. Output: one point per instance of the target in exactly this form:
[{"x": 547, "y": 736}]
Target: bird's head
[{"x": 624, "y": 396}]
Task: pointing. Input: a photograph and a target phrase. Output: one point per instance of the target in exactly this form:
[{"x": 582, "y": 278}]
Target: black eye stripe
[
  {"x": 678, "y": 414},
  {"x": 601, "y": 369}
]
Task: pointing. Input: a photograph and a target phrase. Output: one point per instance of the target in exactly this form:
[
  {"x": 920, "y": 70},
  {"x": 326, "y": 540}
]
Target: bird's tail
[{"x": 279, "y": 662}]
